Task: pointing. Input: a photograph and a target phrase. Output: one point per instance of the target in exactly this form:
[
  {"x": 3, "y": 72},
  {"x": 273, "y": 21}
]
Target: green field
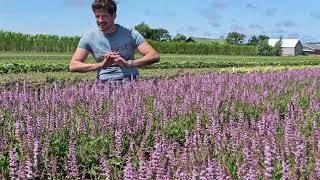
[
  {"x": 237, "y": 64},
  {"x": 60, "y": 58}
]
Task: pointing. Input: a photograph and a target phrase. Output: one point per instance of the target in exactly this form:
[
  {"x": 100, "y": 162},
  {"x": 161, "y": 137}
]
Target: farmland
[
  {"x": 215, "y": 117},
  {"x": 19, "y": 66}
]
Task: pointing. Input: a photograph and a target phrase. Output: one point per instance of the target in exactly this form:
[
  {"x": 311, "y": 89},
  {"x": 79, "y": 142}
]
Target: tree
[
  {"x": 180, "y": 37},
  {"x": 264, "y": 49},
  {"x": 253, "y": 41},
  {"x": 263, "y": 37},
  {"x": 144, "y": 29},
  {"x": 235, "y": 38},
  {"x": 166, "y": 37},
  {"x": 152, "y": 34},
  {"x": 277, "y": 50},
  {"x": 160, "y": 34}
]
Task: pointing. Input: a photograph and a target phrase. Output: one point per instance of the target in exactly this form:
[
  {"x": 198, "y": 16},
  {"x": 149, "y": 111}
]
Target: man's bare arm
[
  {"x": 77, "y": 63},
  {"x": 150, "y": 55}
]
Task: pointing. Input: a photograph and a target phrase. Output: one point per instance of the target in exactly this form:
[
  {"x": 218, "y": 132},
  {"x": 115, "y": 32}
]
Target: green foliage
[
  {"x": 25, "y": 68},
  {"x": 254, "y": 40},
  {"x": 277, "y": 173},
  {"x": 10, "y": 41},
  {"x": 233, "y": 168},
  {"x": 144, "y": 29},
  {"x": 177, "y": 129},
  {"x": 59, "y": 144},
  {"x": 58, "y": 147},
  {"x": 160, "y": 35},
  {"x": 50, "y": 79},
  {"x": 280, "y": 103},
  {"x": 152, "y": 34},
  {"x": 307, "y": 127},
  {"x": 169, "y": 65},
  {"x": 4, "y": 164},
  {"x": 235, "y": 38},
  {"x": 90, "y": 149},
  {"x": 263, "y": 37},
  {"x": 264, "y": 49},
  {"x": 51, "y": 43},
  {"x": 179, "y": 38},
  {"x": 204, "y": 49},
  {"x": 304, "y": 102},
  {"x": 232, "y": 161},
  {"x": 249, "y": 110},
  {"x": 277, "y": 50}
]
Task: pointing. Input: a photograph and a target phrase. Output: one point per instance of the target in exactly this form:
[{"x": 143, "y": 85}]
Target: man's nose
[{"x": 100, "y": 19}]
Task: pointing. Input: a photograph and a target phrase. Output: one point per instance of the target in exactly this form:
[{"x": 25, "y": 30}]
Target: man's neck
[{"x": 111, "y": 30}]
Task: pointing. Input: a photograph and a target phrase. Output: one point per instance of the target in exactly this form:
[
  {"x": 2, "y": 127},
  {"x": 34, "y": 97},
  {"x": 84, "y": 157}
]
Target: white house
[{"x": 290, "y": 47}]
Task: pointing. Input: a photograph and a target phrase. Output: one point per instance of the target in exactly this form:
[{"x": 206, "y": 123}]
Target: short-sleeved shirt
[{"x": 124, "y": 40}]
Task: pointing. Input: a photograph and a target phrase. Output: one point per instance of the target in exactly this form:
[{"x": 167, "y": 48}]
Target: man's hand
[
  {"x": 121, "y": 62},
  {"x": 108, "y": 59}
]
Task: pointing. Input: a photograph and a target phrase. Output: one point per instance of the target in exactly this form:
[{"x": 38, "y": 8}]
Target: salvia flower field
[{"x": 213, "y": 126}]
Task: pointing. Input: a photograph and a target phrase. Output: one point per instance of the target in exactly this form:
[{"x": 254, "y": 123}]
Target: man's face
[{"x": 105, "y": 21}]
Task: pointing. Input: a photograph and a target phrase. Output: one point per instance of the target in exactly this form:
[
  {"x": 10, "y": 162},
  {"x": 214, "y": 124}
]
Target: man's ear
[{"x": 114, "y": 15}]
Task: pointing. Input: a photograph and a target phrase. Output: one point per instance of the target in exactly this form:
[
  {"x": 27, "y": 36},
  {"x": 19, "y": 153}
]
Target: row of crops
[
  {"x": 28, "y": 58},
  {"x": 26, "y": 68},
  {"x": 213, "y": 126}
]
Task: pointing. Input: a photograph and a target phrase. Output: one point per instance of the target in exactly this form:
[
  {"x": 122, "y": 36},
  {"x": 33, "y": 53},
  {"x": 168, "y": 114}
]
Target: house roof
[
  {"x": 205, "y": 40},
  {"x": 312, "y": 46},
  {"x": 285, "y": 42}
]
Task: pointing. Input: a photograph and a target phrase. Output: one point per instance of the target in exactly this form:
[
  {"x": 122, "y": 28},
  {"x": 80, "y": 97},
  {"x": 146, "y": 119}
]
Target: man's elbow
[
  {"x": 156, "y": 57},
  {"x": 72, "y": 67}
]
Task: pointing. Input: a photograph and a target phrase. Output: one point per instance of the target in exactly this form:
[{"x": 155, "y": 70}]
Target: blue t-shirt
[{"x": 124, "y": 40}]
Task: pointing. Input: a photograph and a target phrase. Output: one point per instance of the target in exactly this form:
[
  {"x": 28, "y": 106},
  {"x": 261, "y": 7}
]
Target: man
[{"x": 113, "y": 47}]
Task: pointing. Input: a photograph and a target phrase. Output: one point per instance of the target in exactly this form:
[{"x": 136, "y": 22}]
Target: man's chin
[{"x": 101, "y": 28}]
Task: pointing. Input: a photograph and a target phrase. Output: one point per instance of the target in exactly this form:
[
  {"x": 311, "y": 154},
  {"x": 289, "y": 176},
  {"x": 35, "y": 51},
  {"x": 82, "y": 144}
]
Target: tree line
[
  {"x": 233, "y": 38},
  {"x": 157, "y": 34},
  {"x": 159, "y": 37},
  {"x": 261, "y": 42},
  {"x": 12, "y": 41}
]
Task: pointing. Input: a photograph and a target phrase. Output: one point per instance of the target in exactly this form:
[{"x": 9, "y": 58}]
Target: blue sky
[{"x": 201, "y": 18}]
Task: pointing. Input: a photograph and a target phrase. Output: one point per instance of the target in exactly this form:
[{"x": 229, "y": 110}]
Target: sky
[{"x": 198, "y": 18}]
